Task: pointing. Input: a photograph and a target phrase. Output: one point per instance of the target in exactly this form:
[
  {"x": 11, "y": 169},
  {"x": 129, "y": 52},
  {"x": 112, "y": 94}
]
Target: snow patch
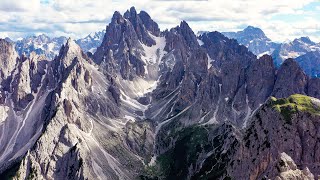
[
  {"x": 137, "y": 87},
  {"x": 264, "y": 53},
  {"x": 213, "y": 119},
  {"x": 3, "y": 113},
  {"x": 130, "y": 118},
  {"x": 200, "y": 42},
  {"x": 153, "y": 54},
  {"x": 210, "y": 61},
  {"x": 153, "y": 160}
]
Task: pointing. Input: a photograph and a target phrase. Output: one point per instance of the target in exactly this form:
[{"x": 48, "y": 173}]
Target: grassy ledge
[{"x": 294, "y": 104}]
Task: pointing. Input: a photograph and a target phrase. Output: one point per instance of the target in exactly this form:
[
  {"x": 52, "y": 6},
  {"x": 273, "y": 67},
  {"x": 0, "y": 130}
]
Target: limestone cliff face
[
  {"x": 8, "y": 58},
  {"x": 84, "y": 128},
  {"x": 22, "y": 103},
  {"x": 288, "y": 169}
]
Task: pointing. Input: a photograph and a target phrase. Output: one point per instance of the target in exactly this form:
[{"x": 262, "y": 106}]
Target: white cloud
[
  {"x": 76, "y": 18},
  {"x": 19, "y": 5}
]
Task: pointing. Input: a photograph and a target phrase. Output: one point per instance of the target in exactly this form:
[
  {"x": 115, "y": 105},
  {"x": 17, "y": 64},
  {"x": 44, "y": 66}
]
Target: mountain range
[
  {"x": 45, "y": 45},
  {"x": 152, "y": 104},
  {"x": 258, "y": 43}
]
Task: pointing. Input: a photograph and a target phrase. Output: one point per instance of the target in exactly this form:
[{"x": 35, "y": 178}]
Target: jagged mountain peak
[
  {"x": 250, "y": 27},
  {"x": 291, "y": 65},
  {"x": 255, "y": 31},
  {"x": 116, "y": 18},
  {"x": 289, "y": 62},
  {"x": 184, "y": 27},
  {"x": 254, "y": 39},
  {"x": 132, "y": 12},
  {"x": 305, "y": 39},
  {"x": 266, "y": 57},
  {"x": 41, "y": 44},
  {"x": 70, "y": 51},
  {"x": 249, "y": 32},
  {"x": 216, "y": 36},
  {"x": 294, "y": 49},
  {"x": 4, "y": 43},
  {"x": 128, "y": 33},
  {"x": 9, "y": 40},
  {"x": 188, "y": 34},
  {"x": 184, "y": 24},
  {"x": 42, "y": 36},
  {"x": 72, "y": 47},
  {"x": 91, "y": 41},
  {"x": 144, "y": 15},
  {"x": 290, "y": 80}
]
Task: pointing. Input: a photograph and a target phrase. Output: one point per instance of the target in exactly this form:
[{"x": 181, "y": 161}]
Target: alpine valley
[{"x": 135, "y": 102}]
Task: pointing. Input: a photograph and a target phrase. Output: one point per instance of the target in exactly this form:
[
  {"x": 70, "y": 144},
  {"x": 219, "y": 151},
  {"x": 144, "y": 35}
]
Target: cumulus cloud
[
  {"x": 77, "y": 18},
  {"x": 19, "y": 5}
]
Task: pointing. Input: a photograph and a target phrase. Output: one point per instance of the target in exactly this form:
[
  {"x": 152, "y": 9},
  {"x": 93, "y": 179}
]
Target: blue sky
[{"x": 281, "y": 20}]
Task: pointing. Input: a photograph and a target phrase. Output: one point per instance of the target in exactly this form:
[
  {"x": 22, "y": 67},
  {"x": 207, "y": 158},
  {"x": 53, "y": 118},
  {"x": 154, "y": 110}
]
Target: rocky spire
[
  {"x": 260, "y": 80},
  {"x": 139, "y": 26},
  {"x": 290, "y": 80},
  {"x": 188, "y": 35},
  {"x": 117, "y": 18},
  {"x": 150, "y": 25},
  {"x": 8, "y": 59},
  {"x": 125, "y": 37}
]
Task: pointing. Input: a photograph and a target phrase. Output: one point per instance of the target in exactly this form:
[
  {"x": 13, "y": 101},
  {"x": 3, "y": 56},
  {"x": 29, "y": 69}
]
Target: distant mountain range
[
  {"x": 91, "y": 42},
  {"x": 254, "y": 39},
  {"x": 43, "y": 44},
  {"x": 304, "y": 49},
  {"x": 251, "y": 37}
]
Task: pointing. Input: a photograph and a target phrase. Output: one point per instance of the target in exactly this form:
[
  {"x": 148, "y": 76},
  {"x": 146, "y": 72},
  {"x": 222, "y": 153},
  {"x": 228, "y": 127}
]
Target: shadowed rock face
[
  {"x": 260, "y": 81},
  {"x": 150, "y": 100},
  {"x": 310, "y": 62},
  {"x": 143, "y": 24},
  {"x": 313, "y": 87},
  {"x": 290, "y": 80}
]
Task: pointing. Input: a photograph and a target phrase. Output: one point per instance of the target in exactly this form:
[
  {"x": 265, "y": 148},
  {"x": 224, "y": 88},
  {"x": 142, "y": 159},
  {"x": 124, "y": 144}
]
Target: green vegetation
[
  {"x": 293, "y": 104},
  {"x": 215, "y": 166},
  {"x": 189, "y": 144},
  {"x": 174, "y": 164}
]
